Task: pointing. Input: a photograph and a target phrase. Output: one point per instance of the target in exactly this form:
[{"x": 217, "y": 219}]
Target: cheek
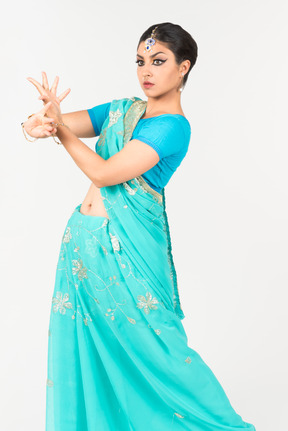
[
  {"x": 161, "y": 74},
  {"x": 167, "y": 76}
]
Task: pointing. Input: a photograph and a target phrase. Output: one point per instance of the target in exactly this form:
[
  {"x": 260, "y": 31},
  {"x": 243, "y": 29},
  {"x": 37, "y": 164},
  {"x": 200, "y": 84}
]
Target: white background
[{"x": 226, "y": 203}]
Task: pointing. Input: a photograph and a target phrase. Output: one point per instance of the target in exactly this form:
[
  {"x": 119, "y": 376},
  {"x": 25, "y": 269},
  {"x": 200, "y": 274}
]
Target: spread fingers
[
  {"x": 36, "y": 84},
  {"x": 45, "y": 81},
  {"x": 54, "y": 85},
  {"x": 64, "y": 94}
]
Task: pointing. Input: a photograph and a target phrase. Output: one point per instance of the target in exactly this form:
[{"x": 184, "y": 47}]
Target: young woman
[{"x": 118, "y": 357}]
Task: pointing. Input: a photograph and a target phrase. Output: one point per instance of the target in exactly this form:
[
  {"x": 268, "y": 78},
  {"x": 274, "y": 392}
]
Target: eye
[
  {"x": 160, "y": 61},
  {"x": 139, "y": 61}
]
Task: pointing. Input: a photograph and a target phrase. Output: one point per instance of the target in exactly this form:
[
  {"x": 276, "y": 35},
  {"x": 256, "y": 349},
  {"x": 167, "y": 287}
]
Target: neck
[{"x": 168, "y": 103}]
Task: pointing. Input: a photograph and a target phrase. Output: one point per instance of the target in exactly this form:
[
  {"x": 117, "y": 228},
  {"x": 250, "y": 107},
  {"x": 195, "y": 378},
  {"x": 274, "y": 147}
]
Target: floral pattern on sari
[
  {"x": 147, "y": 303},
  {"x": 61, "y": 302}
]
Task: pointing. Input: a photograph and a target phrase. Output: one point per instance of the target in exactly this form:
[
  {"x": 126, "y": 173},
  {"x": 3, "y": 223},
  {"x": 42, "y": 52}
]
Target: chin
[{"x": 152, "y": 93}]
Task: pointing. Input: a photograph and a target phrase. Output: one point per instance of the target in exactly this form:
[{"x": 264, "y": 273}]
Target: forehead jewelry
[{"x": 150, "y": 41}]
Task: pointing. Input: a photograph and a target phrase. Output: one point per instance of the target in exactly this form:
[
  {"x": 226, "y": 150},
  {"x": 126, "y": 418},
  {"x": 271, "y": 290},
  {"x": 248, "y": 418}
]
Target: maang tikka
[{"x": 150, "y": 41}]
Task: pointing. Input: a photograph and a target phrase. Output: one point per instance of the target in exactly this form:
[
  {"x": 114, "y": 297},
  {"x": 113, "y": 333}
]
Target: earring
[{"x": 181, "y": 89}]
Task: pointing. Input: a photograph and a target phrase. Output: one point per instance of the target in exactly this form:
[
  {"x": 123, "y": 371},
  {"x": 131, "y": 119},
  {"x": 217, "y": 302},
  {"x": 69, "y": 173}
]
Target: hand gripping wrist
[
  {"x": 35, "y": 139},
  {"x": 23, "y": 129}
]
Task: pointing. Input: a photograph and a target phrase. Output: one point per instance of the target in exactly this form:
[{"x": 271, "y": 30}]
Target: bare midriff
[{"x": 93, "y": 203}]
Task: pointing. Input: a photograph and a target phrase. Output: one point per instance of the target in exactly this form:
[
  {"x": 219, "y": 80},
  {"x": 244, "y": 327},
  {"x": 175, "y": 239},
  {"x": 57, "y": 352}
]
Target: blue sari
[{"x": 118, "y": 358}]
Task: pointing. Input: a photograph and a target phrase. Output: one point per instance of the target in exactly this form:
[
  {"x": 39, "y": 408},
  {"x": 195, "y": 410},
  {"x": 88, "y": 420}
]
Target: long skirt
[{"x": 119, "y": 360}]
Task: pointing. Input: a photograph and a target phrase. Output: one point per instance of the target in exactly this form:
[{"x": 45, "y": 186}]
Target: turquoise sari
[{"x": 118, "y": 358}]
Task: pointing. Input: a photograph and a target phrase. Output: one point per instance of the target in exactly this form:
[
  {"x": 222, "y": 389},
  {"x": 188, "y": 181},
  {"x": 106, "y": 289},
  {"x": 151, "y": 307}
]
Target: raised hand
[
  {"x": 39, "y": 126},
  {"x": 47, "y": 95}
]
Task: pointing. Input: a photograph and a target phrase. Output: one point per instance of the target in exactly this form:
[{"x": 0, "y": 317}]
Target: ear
[{"x": 185, "y": 66}]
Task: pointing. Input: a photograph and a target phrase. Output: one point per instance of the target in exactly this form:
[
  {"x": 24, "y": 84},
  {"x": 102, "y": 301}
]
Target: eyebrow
[{"x": 160, "y": 52}]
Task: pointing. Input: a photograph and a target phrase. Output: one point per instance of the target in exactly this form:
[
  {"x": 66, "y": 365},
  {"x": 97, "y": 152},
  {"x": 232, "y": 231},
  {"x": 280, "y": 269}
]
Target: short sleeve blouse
[{"x": 168, "y": 134}]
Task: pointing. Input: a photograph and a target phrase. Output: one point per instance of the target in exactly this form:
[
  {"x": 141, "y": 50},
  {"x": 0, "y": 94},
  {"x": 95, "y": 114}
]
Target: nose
[{"x": 146, "y": 71}]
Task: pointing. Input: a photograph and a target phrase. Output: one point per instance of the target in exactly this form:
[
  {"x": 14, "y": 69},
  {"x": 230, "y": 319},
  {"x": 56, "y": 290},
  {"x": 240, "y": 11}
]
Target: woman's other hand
[
  {"x": 40, "y": 126},
  {"x": 47, "y": 95}
]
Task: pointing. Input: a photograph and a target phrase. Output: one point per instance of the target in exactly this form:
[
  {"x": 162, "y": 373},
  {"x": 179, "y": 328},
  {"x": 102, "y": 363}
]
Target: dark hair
[{"x": 178, "y": 40}]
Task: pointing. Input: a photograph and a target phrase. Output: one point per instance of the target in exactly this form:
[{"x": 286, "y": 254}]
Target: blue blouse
[{"x": 168, "y": 134}]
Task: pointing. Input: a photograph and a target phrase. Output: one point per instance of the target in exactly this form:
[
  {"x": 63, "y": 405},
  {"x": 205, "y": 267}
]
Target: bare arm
[
  {"x": 79, "y": 123},
  {"x": 133, "y": 160}
]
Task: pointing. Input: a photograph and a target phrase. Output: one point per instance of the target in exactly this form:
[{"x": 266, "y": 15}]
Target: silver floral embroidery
[
  {"x": 129, "y": 189},
  {"x": 91, "y": 246},
  {"x": 110, "y": 313},
  {"x": 105, "y": 222},
  {"x": 67, "y": 236},
  {"x": 113, "y": 117},
  {"x": 50, "y": 383},
  {"x": 77, "y": 312},
  {"x": 115, "y": 242},
  {"x": 147, "y": 189},
  {"x": 61, "y": 302},
  {"x": 79, "y": 268},
  {"x": 81, "y": 271},
  {"x": 179, "y": 416},
  {"x": 101, "y": 141},
  {"x": 157, "y": 331},
  {"x": 147, "y": 303}
]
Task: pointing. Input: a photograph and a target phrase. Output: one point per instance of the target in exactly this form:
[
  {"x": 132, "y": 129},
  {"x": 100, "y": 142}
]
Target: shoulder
[
  {"x": 178, "y": 122},
  {"x": 169, "y": 124},
  {"x": 169, "y": 134}
]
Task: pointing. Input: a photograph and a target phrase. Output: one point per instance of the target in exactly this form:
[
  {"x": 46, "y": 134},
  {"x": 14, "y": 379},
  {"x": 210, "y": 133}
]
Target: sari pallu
[{"x": 118, "y": 358}]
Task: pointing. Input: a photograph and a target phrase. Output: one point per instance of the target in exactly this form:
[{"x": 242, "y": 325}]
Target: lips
[{"x": 148, "y": 84}]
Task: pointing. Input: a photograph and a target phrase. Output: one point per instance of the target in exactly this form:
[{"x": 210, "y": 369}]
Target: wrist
[
  {"x": 57, "y": 120},
  {"x": 60, "y": 128}
]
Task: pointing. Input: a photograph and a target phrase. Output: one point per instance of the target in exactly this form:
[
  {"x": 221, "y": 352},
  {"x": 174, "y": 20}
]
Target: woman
[{"x": 118, "y": 357}]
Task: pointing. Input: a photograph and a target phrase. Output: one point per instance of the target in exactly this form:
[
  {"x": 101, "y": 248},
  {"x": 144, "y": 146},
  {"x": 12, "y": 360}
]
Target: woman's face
[{"x": 160, "y": 69}]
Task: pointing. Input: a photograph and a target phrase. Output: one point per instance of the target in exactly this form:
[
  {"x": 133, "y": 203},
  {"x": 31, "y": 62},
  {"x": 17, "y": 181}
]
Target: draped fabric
[
  {"x": 136, "y": 211},
  {"x": 118, "y": 354}
]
